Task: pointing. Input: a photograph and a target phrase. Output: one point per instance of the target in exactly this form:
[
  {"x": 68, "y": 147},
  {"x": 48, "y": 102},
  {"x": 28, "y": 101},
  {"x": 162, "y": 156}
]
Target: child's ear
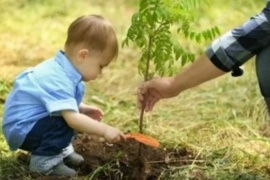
[{"x": 82, "y": 54}]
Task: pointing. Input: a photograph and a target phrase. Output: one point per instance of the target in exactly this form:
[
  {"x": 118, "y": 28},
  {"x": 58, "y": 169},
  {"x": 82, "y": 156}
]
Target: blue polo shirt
[{"x": 46, "y": 89}]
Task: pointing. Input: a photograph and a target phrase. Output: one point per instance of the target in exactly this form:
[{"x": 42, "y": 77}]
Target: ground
[{"x": 123, "y": 161}]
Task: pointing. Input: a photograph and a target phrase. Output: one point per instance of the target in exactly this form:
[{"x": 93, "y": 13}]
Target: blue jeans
[
  {"x": 48, "y": 137},
  {"x": 263, "y": 71},
  {"x": 263, "y": 74}
]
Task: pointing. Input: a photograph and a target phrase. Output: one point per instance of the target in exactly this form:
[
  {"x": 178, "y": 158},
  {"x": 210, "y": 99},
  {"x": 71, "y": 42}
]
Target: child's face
[{"x": 92, "y": 65}]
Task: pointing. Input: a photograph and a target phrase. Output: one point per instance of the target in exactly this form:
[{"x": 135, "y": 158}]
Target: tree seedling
[{"x": 156, "y": 29}]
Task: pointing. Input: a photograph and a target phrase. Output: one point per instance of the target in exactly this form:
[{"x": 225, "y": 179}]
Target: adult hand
[
  {"x": 92, "y": 112},
  {"x": 152, "y": 91}
]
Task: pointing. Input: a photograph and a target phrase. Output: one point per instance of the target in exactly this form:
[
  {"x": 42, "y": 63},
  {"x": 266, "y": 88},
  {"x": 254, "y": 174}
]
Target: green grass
[{"x": 222, "y": 121}]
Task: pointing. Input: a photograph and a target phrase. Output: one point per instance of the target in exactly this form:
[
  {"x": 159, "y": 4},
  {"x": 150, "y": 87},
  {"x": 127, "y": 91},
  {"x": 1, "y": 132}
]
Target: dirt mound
[{"x": 123, "y": 161}]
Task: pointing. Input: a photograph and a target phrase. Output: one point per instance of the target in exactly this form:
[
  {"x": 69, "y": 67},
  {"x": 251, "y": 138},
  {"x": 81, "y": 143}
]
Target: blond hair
[{"x": 94, "y": 32}]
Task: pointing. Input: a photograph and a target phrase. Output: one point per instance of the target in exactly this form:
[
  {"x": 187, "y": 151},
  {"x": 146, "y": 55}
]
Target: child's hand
[
  {"x": 113, "y": 135},
  {"x": 92, "y": 112}
]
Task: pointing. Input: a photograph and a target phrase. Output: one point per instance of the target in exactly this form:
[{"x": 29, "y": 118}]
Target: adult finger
[
  {"x": 140, "y": 93},
  {"x": 152, "y": 103}
]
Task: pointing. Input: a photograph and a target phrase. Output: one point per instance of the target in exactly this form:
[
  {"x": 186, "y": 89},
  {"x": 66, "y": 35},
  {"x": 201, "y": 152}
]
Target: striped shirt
[{"x": 237, "y": 46}]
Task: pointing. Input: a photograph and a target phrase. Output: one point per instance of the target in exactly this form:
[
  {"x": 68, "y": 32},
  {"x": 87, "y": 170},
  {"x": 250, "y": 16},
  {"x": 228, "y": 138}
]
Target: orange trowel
[{"x": 144, "y": 139}]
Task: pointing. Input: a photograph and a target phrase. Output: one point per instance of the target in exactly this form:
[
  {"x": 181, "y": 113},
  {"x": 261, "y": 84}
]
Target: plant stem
[{"x": 145, "y": 79}]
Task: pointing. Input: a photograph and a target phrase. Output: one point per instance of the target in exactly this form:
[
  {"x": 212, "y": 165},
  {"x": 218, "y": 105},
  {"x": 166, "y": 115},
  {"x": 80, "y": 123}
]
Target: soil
[{"x": 122, "y": 161}]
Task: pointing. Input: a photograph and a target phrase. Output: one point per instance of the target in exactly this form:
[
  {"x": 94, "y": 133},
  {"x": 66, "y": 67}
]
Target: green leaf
[{"x": 155, "y": 20}]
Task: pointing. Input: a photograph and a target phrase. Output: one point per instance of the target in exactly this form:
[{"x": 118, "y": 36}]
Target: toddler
[{"x": 45, "y": 107}]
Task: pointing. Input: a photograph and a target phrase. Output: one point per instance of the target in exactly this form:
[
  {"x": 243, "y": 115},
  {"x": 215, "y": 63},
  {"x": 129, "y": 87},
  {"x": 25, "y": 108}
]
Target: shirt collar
[{"x": 68, "y": 67}]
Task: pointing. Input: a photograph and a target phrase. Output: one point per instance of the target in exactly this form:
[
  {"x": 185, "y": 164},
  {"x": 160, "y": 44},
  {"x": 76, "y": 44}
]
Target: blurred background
[{"x": 224, "y": 120}]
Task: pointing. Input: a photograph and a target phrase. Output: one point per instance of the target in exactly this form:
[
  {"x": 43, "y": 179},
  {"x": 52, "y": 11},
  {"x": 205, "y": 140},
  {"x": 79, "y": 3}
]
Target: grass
[{"x": 224, "y": 121}]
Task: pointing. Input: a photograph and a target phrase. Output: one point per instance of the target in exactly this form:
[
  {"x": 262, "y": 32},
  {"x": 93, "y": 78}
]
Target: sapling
[{"x": 156, "y": 29}]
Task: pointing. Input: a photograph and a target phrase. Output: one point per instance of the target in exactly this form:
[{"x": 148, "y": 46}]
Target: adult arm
[
  {"x": 200, "y": 71},
  {"x": 225, "y": 54}
]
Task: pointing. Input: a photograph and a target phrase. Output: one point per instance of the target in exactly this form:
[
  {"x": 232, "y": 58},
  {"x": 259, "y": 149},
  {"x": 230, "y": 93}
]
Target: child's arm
[
  {"x": 83, "y": 123},
  {"x": 91, "y": 111},
  {"x": 82, "y": 107}
]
